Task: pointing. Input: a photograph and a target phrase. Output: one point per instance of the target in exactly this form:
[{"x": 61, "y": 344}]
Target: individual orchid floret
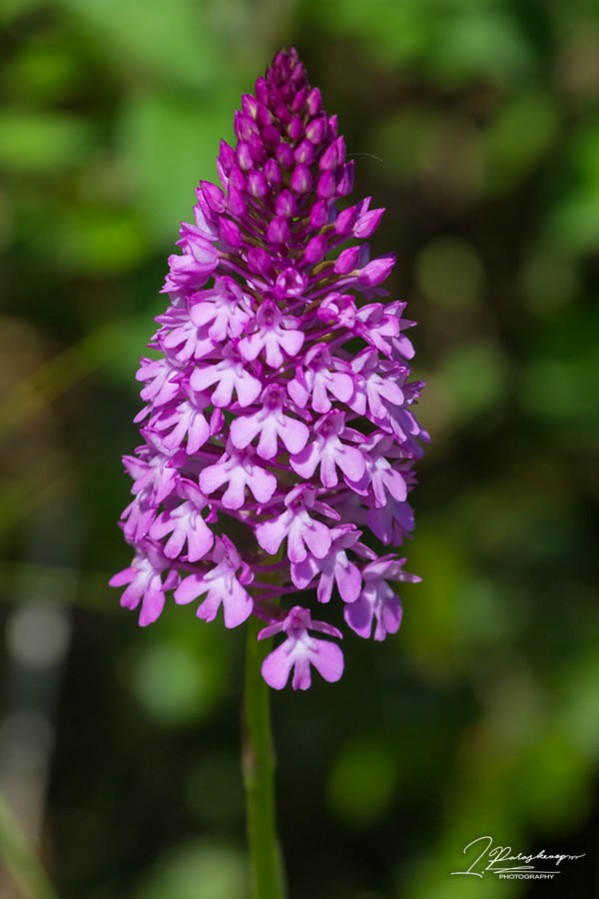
[
  {"x": 239, "y": 471},
  {"x": 184, "y": 526},
  {"x": 304, "y": 533},
  {"x": 331, "y": 450},
  {"x": 230, "y": 376},
  {"x": 145, "y": 584},
  {"x": 270, "y": 424},
  {"x": 184, "y": 423},
  {"x": 273, "y": 334},
  {"x": 319, "y": 379},
  {"x": 224, "y": 310},
  {"x": 335, "y": 568},
  {"x": 279, "y": 434},
  {"x": 300, "y": 651},
  {"x": 377, "y": 601},
  {"x": 222, "y": 586}
]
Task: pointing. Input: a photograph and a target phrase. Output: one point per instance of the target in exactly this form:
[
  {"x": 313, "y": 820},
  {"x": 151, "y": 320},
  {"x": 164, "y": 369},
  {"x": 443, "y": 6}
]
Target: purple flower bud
[
  {"x": 313, "y": 102},
  {"x": 304, "y": 154},
  {"x": 279, "y": 414},
  {"x": 257, "y": 186},
  {"x": 278, "y": 231},
  {"x": 301, "y": 180},
  {"x": 329, "y": 159},
  {"x": 272, "y": 173},
  {"x": 326, "y": 186},
  {"x": 316, "y": 249},
  {"x": 213, "y": 196},
  {"x": 345, "y": 221},
  {"x": 226, "y": 157},
  {"x": 347, "y": 260},
  {"x": 230, "y": 233},
  {"x": 244, "y": 158},
  {"x": 285, "y": 205},
  {"x": 258, "y": 261},
  {"x": 295, "y": 128},
  {"x": 284, "y": 156},
  {"x": 346, "y": 181},
  {"x": 377, "y": 271},
  {"x": 316, "y": 130},
  {"x": 367, "y": 224},
  {"x": 319, "y": 215}
]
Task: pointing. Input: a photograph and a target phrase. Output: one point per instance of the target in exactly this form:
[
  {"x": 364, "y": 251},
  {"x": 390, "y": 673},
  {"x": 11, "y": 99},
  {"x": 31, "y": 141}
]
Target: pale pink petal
[
  {"x": 304, "y": 463},
  {"x": 351, "y": 462},
  {"x": 318, "y": 538},
  {"x": 349, "y": 581},
  {"x": 302, "y": 676},
  {"x": 153, "y": 601},
  {"x": 270, "y": 534},
  {"x": 294, "y": 434},
  {"x": 189, "y": 589},
  {"x": 237, "y": 605},
  {"x": 244, "y": 429},
  {"x": 234, "y": 495},
  {"x": 277, "y": 666},
  {"x": 327, "y": 658}
]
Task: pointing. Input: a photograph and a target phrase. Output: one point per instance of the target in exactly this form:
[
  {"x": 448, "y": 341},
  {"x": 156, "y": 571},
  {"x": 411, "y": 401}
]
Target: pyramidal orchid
[{"x": 278, "y": 432}]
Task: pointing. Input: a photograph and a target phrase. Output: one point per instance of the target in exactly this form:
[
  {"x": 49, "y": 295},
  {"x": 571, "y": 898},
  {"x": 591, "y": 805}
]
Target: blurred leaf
[
  {"x": 450, "y": 272},
  {"x": 517, "y": 138},
  {"x": 209, "y": 870},
  {"x": 451, "y": 41},
  {"x": 215, "y": 789},
  {"x": 549, "y": 281},
  {"x": 574, "y": 221},
  {"x": 170, "y": 144},
  {"x": 98, "y": 240},
  {"x": 43, "y": 143},
  {"x": 175, "y": 42},
  {"x": 362, "y": 782},
  {"x": 579, "y": 712},
  {"x": 177, "y": 684},
  {"x": 480, "y": 40},
  {"x": 42, "y": 73},
  {"x": 20, "y": 860},
  {"x": 407, "y": 137},
  {"x": 475, "y": 378}
]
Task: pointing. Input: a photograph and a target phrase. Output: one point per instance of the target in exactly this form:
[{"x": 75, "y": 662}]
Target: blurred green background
[{"x": 475, "y": 122}]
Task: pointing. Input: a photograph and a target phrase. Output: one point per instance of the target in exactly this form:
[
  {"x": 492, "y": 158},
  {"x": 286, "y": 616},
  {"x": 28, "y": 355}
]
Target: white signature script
[{"x": 500, "y": 860}]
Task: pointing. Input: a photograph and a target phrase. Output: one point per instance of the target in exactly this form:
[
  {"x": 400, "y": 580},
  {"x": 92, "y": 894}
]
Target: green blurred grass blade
[{"x": 19, "y": 859}]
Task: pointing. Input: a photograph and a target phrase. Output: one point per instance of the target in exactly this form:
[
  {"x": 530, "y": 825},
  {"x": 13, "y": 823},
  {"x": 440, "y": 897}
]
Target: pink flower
[
  {"x": 303, "y": 532},
  {"x": 185, "y": 525},
  {"x": 300, "y": 651},
  {"x": 222, "y": 585},
  {"x": 145, "y": 585},
  {"x": 335, "y": 567},
  {"x": 238, "y": 471},
  {"x": 280, "y": 412},
  {"x": 270, "y": 424},
  {"x": 378, "y": 601},
  {"x": 328, "y": 451},
  {"x": 272, "y": 334},
  {"x": 230, "y": 375}
]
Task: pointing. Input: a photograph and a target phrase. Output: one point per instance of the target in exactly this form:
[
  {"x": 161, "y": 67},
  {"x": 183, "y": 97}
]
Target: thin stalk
[
  {"x": 258, "y": 761},
  {"x": 20, "y": 860}
]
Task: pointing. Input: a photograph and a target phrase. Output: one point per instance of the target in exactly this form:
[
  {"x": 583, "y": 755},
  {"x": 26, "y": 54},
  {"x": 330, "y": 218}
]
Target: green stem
[
  {"x": 258, "y": 774},
  {"x": 19, "y": 859}
]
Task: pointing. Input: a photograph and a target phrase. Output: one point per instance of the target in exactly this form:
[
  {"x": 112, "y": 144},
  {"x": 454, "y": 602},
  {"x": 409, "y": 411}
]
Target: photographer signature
[{"x": 492, "y": 859}]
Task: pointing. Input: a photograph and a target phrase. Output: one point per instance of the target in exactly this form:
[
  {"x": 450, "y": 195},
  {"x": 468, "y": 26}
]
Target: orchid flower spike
[{"x": 278, "y": 431}]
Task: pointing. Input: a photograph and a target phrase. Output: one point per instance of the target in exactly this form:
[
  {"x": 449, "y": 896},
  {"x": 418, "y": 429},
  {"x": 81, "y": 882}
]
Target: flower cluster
[{"x": 278, "y": 432}]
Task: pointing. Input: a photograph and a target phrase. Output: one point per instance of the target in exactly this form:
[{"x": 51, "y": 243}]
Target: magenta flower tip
[{"x": 278, "y": 415}]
